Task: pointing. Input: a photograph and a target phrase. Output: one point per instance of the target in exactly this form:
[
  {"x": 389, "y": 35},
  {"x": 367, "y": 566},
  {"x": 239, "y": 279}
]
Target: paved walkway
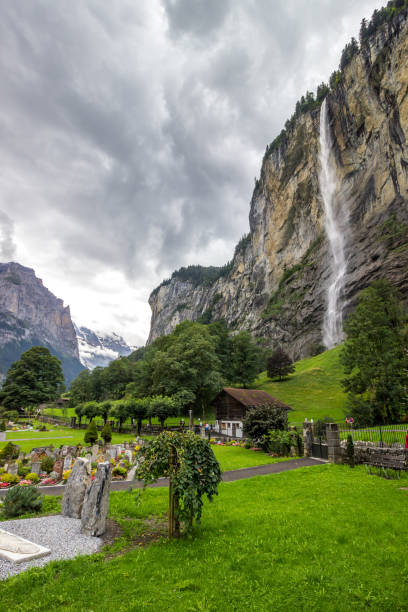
[{"x": 230, "y": 476}]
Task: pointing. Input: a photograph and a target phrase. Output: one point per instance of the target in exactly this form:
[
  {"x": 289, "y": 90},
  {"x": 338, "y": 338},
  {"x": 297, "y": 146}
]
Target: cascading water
[{"x": 334, "y": 222}]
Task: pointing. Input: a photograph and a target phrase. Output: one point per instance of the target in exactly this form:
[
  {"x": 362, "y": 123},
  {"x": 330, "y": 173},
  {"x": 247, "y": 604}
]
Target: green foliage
[
  {"x": 350, "y": 451},
  {"x": 3, "y": 426},
  {"x": 242, "y": 245},
  {"x": 350, "y": 50},
  {"x": 10, "y": 451},
  {"x": 20, "y": 500},
  {"x": 279, "y": 365},
  {"x": 245, "y": 359},
  {"x": 106, "y": 433},
  {"x": 162, "y": 408},
  {"x": 279, "y": 442},
  {"x": 120, "y": 412},
  {"x": 189, "y": 462},
  {"x": 79, "y": 411},
  {"x": 375, "y": 356},
  {"x": 104, "y": 409},
  {"x": 119, "y": 471},
  {"x": 379, "y": 17},
  {"x": 91, "y": 434},
  {"x": 260, "y": 420},
  {"x": 90, "y": 410},
  {"x": 47, "y": 464},
  {"x": 35, "y": 378}
]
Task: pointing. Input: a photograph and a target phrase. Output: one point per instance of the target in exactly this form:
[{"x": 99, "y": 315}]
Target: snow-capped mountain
[{"x": 97, "y": 349}]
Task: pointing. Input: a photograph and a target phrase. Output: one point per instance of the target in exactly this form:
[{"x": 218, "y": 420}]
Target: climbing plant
[{"x": 193, "y": 471}]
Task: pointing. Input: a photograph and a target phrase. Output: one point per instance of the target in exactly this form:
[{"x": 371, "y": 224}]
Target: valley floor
[{"x": 321, "y": 538}]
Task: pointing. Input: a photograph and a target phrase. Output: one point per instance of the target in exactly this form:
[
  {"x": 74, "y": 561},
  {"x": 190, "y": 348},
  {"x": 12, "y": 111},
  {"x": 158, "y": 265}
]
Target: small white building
[{"x": 231, "y": 406}]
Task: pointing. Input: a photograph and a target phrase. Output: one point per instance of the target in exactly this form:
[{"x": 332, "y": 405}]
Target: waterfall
[{"x": 334, "y": 222}]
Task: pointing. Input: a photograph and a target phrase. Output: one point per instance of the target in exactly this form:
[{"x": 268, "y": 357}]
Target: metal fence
[{"x": 380, "y": 435}]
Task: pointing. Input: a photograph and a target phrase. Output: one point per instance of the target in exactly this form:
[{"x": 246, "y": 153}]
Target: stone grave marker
[
  {"x": 13, "y": 468},
  {"x": 64, "y": 451},
  {"x": 95, "y": 451},
  {"x": 74, "y": 492},
  {"x": 88, "y": 456},
  {"x": 96, "y": 502},
  {"x": 58, "y": 467},
  {"x": 2, "y": 436},
  {"x": 36, "y": 467},
  {"x": 17, "y": 549},
  {"x": 67, "y": 462},
  {"x": 128, "y": 455}
]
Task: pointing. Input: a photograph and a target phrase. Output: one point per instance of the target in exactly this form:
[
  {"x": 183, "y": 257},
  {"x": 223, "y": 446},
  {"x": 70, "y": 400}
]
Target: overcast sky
[{"x": 131, "y": 133}]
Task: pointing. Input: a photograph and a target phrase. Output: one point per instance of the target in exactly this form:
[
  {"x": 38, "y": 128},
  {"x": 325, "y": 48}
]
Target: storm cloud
[{"x": 131, "y": 133}]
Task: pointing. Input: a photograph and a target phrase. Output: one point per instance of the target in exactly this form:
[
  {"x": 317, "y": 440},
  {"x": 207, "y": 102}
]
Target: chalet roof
[{"x": 254, "y": 397}]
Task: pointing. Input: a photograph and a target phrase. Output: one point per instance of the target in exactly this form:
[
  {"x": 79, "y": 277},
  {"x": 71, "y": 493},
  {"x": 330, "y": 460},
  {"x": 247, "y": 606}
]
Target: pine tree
[{"x": 279, "y": 365}]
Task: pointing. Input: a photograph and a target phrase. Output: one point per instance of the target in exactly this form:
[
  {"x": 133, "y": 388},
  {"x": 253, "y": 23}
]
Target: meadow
[{"x": 320, "y": 538}]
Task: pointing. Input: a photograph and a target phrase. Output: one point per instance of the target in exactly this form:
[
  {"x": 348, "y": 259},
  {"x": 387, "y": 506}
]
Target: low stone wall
[{"x": 395, "y": 457}]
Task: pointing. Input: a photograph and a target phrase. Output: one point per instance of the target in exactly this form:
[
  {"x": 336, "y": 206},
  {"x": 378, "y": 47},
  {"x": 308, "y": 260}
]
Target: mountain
[
  {"x": 31, "y": 315},
  {"x": 96, "y": 349},
  {"x": 345, "y": 161}
]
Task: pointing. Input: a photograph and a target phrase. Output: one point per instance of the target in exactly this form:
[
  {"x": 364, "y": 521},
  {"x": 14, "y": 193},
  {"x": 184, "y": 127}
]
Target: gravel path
[{"x": 59, "y": 533}]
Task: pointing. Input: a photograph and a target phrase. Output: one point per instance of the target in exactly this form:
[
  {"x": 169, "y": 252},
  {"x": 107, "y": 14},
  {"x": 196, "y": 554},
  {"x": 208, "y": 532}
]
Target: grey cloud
[
  {"x": 7, "y": 244},
  {"x": 130, "y": 132}
]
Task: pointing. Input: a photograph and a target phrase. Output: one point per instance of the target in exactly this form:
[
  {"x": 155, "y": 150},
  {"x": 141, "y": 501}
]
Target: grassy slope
[
  {"x": 314, "y": 390},
  {"x": 292, "y": 541}
]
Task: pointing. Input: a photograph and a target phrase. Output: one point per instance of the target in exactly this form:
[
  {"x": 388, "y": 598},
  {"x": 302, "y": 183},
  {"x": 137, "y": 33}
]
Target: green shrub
[
  {"x": 20, "y": 500},
  {"x": 10, "y": 451},
  {"x": 3, "y": 426},
  {"x": 47, "y": 464},
  {"x": 23, "y": 470},
  {"x": 119, "y": 471},
  {"x": 91, "y": 434},
  {"x": 33, "y": 477},
  {"x": 10, "y": 478},
  {"x": 350, "y": 451},
  {"x": 106, "y": 433}
]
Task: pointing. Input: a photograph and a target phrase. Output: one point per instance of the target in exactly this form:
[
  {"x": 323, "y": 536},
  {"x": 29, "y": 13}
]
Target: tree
[
  {"x": 258, "y": 421},
  {"x": 91, "y": 434},
  {"x": 90, "y": 410},
  {"x": 162, "y": 408},
  {"x": 245, "y": 359},
  {"x": 106, "y": 433},
  {"x": 192, "y": 469},
  {"x": 375, "y": 356},
  {"x": 35, "y": 378},
  {"x": 80, "y": 389},
  {"x": 103, "y": 410},
  {"x": 279, "y": 365},
  {"x": 120, "y": 412},
  {"x": 138, "y": 409},
  {"x": 79, "y": 412}
]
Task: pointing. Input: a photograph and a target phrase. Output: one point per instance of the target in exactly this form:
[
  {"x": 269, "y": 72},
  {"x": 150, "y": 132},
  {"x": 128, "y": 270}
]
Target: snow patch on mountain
[{"x": 98, "y": 349}]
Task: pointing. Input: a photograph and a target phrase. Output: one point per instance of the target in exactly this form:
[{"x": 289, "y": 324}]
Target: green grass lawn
[
  {"x": 313, "y": 391},
  {"x": 322, "y": 538},
  {"x": 234, "y": 457},
  {"x": 56, "y": 437}
]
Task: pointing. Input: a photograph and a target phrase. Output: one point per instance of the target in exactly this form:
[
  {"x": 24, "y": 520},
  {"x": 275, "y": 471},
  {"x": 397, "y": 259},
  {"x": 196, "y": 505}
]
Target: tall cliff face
[
  {"x": 276, "y": 287},
  {"x": 31, "y": 315}
]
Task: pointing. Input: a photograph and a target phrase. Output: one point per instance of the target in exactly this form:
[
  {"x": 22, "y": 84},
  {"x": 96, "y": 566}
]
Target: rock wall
[
  {"x": 276, "y": 286},
  {"x": 31, "y": 315}
]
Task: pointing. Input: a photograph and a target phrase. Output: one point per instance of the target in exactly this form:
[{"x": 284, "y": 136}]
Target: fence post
[
  {"x": 333, "y": 443},
  {"x": 307, "y": 439}
]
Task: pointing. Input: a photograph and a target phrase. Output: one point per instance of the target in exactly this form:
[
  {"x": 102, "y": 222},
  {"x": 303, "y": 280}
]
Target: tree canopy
[
  {"x": 35, "y": 378},
  {"x": 375, "y": 356}
]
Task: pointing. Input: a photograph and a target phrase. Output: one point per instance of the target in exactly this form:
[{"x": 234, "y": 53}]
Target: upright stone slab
[
  {"x": 36, "y": 467},
  {"x": 58, "y": 467},
  {"x": 95, "y": 451},
  {"x": 75, "y": 489},
  {"x": 333, "y": 443},
  {"x": 67, "y": 462},
  {"x": 307, "y": 439},
  {"x": 96, "y": 502},
  {"x": 13, "y": 468},
  {"x": 2, "y": 436}
]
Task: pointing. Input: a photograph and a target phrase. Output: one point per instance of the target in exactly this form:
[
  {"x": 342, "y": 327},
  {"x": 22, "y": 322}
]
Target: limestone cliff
[
  {"x": 31, "y": 315},
  {"x": 276, "y": 284}
]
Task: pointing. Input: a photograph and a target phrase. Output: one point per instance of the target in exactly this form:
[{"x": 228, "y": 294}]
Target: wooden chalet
[{"x": 231, "y": 406}]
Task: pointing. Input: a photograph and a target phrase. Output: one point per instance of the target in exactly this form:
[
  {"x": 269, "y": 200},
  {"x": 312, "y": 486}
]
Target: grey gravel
[{"x": 58, "y": 533}]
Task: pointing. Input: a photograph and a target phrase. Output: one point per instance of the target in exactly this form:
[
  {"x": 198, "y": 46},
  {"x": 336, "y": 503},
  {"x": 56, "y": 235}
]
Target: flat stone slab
[{"x": 16, "y": 549}]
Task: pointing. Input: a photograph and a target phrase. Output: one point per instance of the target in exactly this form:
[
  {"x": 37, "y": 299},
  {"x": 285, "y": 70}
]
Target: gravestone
[
  {"x": 13, "y": 469},
  {"x": 58, "y": 467},
  {"x": 35, "y": 456},
  {"x": 36, "y": 467},
  {"x": 2, "y": 436},
  {"x": 95, "y": 451},
  {"x": 96, "y": 502},
  {"x": 16, "y": 549},
  {"x": 88, "y": 456},
  {"x": 64, "y": 451},
  {"x": 128, "y": 455},
  {"x": 67, "y": 462},
  {"x": 112, "y": 452},
  {"x": 75, "y": 489}
]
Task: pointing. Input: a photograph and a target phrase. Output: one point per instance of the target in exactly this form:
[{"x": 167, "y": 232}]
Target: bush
[
  {"x": 10, "y": 451},
  {"x": 3, "y": 426},
  {"x": 20, "y": 500},
  {"x": 9, "y": 478},
  {"x": 47, "y": 464},
  {"x": 23, "y": 470},
  {"x": 91, "y": 434},
  {"x": 33, "y": 477},
  {"x": 280, "y": 442},
  {"x": 350, "y": 451},
  {"x": 260, "y": 420},
  {"x": 119, "y": 471},
  {"x": 106, "y": 433}
]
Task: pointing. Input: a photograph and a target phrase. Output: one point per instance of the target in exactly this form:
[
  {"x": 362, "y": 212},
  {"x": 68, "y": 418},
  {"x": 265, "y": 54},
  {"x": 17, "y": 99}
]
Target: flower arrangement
[
  {"x": 25, "y": 483},
  {"x": 4, "y": 485},
  {"x": 9, "y": 478},
  {"x": 33, "y": 477},
  {"x": 66, "y": 475},
  {"x": 48, "y": 482}
]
